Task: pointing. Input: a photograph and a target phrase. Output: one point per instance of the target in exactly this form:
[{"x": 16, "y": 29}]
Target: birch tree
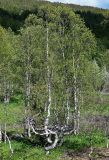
[
  {"x": 51, "y": 56},
  {"x": 6, "y": 78}
]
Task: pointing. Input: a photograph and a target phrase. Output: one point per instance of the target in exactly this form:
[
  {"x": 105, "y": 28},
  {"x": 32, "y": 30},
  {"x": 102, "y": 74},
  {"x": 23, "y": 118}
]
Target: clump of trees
[{"x": 50, "y": 62}]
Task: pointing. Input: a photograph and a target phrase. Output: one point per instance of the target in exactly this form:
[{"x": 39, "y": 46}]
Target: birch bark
[{"x": 48, "y": 82}]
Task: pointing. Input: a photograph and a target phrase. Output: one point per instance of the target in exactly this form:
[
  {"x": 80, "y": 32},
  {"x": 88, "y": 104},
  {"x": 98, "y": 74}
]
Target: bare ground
[{"x": 97, "y": 154}]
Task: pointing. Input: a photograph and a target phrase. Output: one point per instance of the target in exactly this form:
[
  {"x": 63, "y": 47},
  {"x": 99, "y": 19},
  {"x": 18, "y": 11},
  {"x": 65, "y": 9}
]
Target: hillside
[
  {"x": 97, "y": 20},
  {"x": 16, "y": 12}
]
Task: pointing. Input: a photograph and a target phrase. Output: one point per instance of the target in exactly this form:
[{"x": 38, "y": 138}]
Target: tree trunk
[
  {"x": 5, "y": 132},
  {"x": 27, "y": 86},
  {"x": 62, "y": 32},
  {"x": 7, "y": 96},
  {"x": 68, "y": 108},
  {"x": 6, "y": 92},
  {"x": 76, "y": 105},
  {"x": 0, "y": 134},
  {"x": 27, "y": 90},
  {"x": 48, "y": 85}
]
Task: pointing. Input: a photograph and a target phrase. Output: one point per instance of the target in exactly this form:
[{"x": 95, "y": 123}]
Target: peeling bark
[{"x": 54, "y": 144}]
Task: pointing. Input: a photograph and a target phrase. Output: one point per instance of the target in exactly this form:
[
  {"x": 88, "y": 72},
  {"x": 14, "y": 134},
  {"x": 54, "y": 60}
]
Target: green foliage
[
  {"x": 95, "y": 19},
  {"x": 53, "y": 49},
  {"x": 17, "y": 11}
]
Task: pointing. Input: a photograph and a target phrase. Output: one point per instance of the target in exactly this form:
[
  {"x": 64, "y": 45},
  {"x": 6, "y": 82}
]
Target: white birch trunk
[
  {"x": 11, "y": 149},
  {"x": 27, "y": 90},
  {"x": 54, "y": 143},
  {"x": 5, "y": 133},
  {"x": 49, "y": 84},
  {"x": 76, "y": 107},
  {"x": 0, "y": 134},
  {"x": 6, "y": 92},
  {"x": 66, "y": 83},
  {"x": 107, "y": 144},
  {"x": 68, "y": 108},
  {"x": 29, "y": 129},
  {"x": 27, "y": 75},
  {"x": 6, "y": 103},
  {"x": 56, "y": 111}
]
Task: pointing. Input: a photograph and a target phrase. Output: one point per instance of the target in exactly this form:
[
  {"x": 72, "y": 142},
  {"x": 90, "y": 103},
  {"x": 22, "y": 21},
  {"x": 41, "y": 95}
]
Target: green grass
[
  {"x": 23, "y": 151},
  {"x": 84, "y": 140},
  {"x": 26, "y": 151},
  {"x": 12, "y": 114}
]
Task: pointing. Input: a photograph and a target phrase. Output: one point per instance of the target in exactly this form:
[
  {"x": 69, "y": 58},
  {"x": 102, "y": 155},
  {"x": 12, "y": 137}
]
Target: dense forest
[{"x": 54, "y": 81}]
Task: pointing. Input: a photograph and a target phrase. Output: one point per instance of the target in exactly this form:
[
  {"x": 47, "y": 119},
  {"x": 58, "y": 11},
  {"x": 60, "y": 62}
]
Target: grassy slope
[{"x": 26, "y": 151}]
